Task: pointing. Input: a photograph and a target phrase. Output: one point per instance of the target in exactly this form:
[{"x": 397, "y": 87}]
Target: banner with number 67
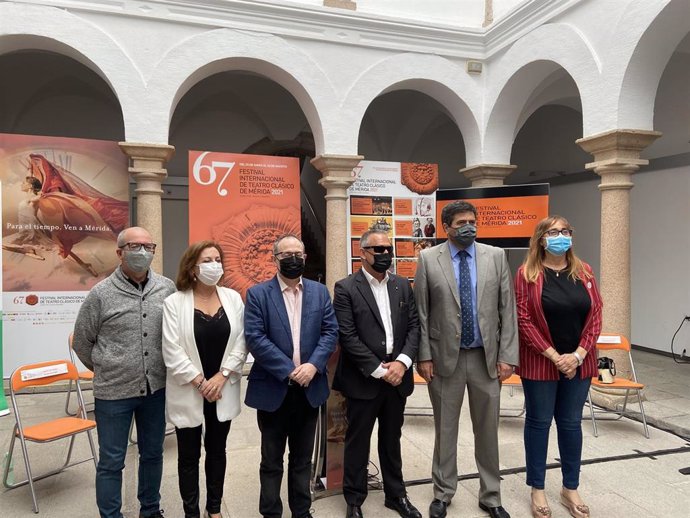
[{"x": 244, "y": 202}]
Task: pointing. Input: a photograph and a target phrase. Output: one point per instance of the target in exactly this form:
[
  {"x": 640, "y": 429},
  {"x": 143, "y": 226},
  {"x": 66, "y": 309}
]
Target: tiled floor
[{"x": 624, "y": 474}]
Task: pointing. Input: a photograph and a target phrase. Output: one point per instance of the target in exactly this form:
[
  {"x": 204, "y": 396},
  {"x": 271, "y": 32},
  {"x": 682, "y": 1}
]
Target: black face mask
[
  {"x": 382, "y": 262},
  {"x": 291, "y": 267},
  {"x": 465, "y": 235}
]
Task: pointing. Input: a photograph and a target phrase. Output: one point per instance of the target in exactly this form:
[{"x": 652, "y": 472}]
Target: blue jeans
[
  {"x": 562, "y": 400},
  {"x": 113, "y": 420}
]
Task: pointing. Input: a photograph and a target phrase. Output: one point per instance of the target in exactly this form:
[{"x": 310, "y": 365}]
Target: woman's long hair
[{"x": 533, "y": 265}]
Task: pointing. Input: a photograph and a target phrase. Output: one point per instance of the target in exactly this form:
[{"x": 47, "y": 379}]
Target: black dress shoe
[
  {"x": 494, "y": 512},
  {"x": 354, "y": 511},
  {"x": 437, "y": 509},
  {"x": 403, "y": 506}
]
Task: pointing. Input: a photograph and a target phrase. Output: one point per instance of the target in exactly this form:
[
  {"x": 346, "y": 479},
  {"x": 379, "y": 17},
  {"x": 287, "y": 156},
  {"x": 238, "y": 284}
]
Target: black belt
[{"x": 388, "y": 358}]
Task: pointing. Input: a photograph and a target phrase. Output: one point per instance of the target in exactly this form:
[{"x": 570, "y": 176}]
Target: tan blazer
[
  {"x": 184, "y": 405},
  {"x": 438, "y": 305}
]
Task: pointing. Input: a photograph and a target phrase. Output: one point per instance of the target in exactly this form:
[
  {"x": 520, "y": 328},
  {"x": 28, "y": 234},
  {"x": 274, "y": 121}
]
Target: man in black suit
[{"x": 379, "y": 337}]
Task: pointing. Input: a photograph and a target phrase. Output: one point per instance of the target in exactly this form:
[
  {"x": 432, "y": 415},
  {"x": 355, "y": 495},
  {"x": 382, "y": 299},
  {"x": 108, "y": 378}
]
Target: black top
[
  {"x": 211, "y": 334},
  {"x": 566, "y": 306}
]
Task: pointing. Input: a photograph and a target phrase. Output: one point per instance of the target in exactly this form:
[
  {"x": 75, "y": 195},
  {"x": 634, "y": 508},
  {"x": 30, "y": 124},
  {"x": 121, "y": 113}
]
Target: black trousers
[
  {"x": 188, "y": 455},
  {"x": 388, "y": 407},
  {"x": 295, "y": 423}
]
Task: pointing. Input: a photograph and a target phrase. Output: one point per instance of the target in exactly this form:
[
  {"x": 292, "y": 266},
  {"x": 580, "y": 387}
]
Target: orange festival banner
[
  {"x": 244, "y": 202},
  {"x": 506, "y": 216}
]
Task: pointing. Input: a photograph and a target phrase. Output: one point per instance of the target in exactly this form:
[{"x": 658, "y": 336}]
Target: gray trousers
[{"x": 447, "y": 393}]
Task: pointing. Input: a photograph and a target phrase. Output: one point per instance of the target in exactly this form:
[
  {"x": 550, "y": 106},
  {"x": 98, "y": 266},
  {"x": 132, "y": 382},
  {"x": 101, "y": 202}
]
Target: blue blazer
[{"x": 268, "y": 337}]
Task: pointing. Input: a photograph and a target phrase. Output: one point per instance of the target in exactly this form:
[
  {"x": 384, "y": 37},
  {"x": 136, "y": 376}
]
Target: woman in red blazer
[{"x": 559, "y": 321}]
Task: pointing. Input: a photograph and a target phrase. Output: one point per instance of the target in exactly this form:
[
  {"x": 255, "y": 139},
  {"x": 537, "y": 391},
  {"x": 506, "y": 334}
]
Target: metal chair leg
[{"x": 644, "y": 418}]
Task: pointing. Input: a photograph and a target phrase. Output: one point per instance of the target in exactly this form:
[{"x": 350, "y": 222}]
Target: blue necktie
[{"x": 465, "y": 288}]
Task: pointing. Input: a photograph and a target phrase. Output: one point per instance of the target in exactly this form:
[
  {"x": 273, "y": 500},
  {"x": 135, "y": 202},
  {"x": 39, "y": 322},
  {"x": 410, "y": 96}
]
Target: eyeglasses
[
  {"x": 379, "y": 249},
  {"x": 287, "y": 255},
  {"x": 567, "y": 232},
  {"x": 135, "y": 247}
]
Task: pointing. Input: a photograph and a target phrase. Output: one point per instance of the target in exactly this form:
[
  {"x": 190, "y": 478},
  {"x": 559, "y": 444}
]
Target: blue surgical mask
[{"x": 559, "y": 244}]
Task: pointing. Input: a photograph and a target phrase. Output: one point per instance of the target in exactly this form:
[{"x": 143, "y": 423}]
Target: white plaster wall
[{"x": 660, "y": 250}]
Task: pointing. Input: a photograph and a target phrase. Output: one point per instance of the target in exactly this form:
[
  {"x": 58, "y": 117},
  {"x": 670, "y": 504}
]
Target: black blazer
[{"x": 363, "y": 337}]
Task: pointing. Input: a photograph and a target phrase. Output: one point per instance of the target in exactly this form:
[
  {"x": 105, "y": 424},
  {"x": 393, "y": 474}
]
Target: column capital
[
  {"x": 488, "y": 175},
  {"x": 337, "y": 173},
  {"x": 341, "y": 4},
  {"x": 617, "y": 147},
  {"x": 148, "y": 151}
]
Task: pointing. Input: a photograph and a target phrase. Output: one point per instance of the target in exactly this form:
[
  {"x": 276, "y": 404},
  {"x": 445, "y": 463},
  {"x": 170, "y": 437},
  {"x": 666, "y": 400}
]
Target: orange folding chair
[
  {"x": 85, "y": 375},
  {"x": 619, "y": 384},
  {"x": 418, "y": 411},
  {"x": 39, "y": 374},
  {"x": 512, "y": 383}
]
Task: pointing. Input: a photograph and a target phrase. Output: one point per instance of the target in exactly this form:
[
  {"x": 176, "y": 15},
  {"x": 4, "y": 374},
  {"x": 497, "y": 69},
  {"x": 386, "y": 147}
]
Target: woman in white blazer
[{"x": 204, "y": 352}]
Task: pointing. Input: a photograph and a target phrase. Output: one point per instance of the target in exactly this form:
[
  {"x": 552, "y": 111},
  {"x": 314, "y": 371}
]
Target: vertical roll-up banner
[
  {"x": 64, "y": 201},
  {"x": 4, "y": 409},
  {"x": 243, "y": 202},
  {"x": 399, "y": 199}
]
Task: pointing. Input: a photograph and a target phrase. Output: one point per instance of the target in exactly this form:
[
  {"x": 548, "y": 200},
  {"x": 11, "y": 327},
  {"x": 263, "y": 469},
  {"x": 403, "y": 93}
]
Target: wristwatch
[{"x": 225, "y": 373}]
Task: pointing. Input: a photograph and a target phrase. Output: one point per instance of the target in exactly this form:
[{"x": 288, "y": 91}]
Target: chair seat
[
  {"x": 513, "y": 380},
  {"x": 418, "y": 380},
  {"x": 86, "y": 375},
  {"x": 618, "y": 383},
  {"x": 57, "y": 429}
]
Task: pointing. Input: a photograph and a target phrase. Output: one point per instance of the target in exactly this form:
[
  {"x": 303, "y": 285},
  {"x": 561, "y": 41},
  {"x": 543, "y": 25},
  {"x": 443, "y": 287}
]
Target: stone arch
[
  {"x": 637, "y": 80},
  {"x": 442, "y": 80},
  {"x": 222, "y": 50},
  {"x": 64, "y": 33},
  {"x": 529, "y": 62}
]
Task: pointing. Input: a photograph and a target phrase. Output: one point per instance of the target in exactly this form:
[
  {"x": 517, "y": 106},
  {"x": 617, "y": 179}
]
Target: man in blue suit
[{"x": 291, "y": 331}]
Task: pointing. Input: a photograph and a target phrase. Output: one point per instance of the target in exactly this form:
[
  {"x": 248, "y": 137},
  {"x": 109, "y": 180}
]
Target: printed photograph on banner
[
  {"x": 64, "y": 203},
  {"x": 244, "y": 202},
  {"x": 410, "y": 248},
  {"x": 406, "y": 190},
  {"x": 360, "y": 224},
  {"x": 371, "y": 205}
]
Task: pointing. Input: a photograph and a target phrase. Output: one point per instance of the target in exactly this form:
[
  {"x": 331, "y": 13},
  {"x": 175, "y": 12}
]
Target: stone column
[
  {"x": 147, "y": 167},
  {"x": 616, "y": 158},
  {"x": 337, "y": 176},
  {"x": 488, "y": 175}
]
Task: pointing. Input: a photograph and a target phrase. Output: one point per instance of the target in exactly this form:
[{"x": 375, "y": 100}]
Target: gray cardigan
[{"x": 118, "y": 335}]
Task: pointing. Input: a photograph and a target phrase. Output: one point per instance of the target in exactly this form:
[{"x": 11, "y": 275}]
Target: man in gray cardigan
[{"x": 118, "y": 335}]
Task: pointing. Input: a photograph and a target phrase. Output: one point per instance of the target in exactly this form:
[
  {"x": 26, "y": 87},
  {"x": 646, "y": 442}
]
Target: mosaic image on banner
[{"x": 64, "y": 201}]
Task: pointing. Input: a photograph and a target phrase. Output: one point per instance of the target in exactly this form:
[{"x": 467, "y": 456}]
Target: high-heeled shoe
[
  {"x": 540, "y": 511},
  {"x": 576, "y": 510}
]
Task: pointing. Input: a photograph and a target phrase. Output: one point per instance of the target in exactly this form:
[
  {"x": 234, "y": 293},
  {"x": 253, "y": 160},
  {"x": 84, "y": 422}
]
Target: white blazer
[{"x": 184, "y": 404}]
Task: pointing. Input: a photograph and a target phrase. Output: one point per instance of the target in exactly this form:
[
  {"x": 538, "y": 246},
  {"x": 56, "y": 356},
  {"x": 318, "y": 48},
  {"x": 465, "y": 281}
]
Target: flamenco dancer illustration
[{"x": 62, "y": 210}]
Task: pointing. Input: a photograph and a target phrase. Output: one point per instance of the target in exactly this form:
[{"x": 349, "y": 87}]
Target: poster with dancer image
[
  {"x": 64, "y": 201},
  {"x": 244, "y": 202},
  {"x": 399, "y": 199}
]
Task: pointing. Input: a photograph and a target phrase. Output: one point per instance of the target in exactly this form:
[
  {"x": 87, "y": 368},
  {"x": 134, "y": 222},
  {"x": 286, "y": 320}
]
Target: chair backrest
[
  {"x": 17, "y": 383},
  {"x": 70, "y": 339},
  {"x": 624, "y": 344}
]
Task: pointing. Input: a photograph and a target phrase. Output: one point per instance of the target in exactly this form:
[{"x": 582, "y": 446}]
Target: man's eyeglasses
[
  {"x": 135, "y": 247},
  {"x": 287, "y": 255},
  {"x": 567, "y": 232},
  {"x": 380, "y": 249}
]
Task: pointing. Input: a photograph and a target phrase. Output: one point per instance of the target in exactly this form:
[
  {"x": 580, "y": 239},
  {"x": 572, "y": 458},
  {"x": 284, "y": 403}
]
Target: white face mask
[{"x": 210, "y": 273}]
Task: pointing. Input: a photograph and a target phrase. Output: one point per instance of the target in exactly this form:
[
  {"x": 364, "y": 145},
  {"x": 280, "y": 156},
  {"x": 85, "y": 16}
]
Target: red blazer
[{"x": 534, "y": 334}]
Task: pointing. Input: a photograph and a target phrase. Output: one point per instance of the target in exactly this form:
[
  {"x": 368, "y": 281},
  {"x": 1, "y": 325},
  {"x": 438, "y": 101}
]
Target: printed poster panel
[
  {"x": 244, "y": 202},
  {"x": 64, "y": 201},
  {"x": 506, "y": 216},
  {"x": 398, "y": 199}
]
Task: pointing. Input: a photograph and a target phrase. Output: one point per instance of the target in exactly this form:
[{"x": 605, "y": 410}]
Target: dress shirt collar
[
  {"x": 284, "y": 286},
  {"x": 373, "y": 280},
  {"x": 454, "y": 249}
]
